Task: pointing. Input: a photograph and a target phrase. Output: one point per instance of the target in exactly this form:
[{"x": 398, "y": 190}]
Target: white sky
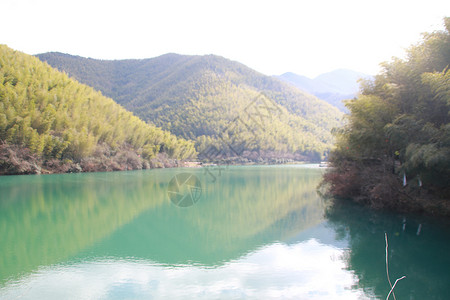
[{"x": 272, "y": 37}]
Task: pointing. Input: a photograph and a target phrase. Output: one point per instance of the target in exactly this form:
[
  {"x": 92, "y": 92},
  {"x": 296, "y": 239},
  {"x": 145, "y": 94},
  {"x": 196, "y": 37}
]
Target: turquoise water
[{"x": 253, "y": 232}]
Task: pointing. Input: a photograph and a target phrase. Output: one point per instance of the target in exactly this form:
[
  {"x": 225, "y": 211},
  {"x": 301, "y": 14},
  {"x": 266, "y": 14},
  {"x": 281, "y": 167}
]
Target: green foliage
[
  {"x": 401, "y": 120},
  {"x": 213, "y": 101},
  {"x": 56, "y": 117}
]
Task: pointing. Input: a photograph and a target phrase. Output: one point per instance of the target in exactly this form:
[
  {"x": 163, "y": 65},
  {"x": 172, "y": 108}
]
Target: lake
[{"x": 250, "y": 232}]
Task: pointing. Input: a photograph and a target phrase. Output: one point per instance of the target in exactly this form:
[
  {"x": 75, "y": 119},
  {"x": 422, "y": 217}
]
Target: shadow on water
[{"x": 419, "y": 248}]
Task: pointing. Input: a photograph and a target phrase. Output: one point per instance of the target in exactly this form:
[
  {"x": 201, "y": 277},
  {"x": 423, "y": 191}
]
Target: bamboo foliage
[{"x": 54, "y": 116}]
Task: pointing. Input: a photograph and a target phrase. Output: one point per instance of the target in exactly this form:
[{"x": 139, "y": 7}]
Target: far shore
[{"x": 35, "y": 169}]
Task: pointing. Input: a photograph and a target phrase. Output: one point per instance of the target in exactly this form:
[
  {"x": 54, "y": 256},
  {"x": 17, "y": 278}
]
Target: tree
[{"x": 399, "y": 128}]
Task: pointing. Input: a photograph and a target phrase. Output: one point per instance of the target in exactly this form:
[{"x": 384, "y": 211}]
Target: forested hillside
[
  {"x": 221, "y": 104},
  {"x": 395, "y": 150},
  {"x": 49, "y": 122}
]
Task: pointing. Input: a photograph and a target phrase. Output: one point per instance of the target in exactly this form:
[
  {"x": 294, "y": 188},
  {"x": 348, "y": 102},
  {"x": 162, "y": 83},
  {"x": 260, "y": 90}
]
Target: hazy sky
[{"x": 273, "y": 37}]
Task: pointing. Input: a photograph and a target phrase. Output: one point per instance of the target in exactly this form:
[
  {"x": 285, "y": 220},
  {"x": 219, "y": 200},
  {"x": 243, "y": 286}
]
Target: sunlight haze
[{"x": 273, "y": 37}]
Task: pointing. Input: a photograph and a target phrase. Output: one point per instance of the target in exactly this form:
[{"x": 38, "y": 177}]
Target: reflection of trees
[
  {"x": 245, "y": 203},
  {"x": 422, "y": 257},
  {"x": 244, "y": 209},
  {"x": 45, "y": 219},
  {"x": 48, "y": 219}
]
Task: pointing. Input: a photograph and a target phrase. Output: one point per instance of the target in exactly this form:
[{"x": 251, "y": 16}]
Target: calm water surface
[{"x": 254, "y": 232}]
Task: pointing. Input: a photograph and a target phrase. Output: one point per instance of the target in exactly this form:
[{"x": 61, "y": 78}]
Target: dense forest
[
  {"x": 51, "y": 123},
  {"x": 394, "y": 151},
  {"x": 228, "y": 109}
]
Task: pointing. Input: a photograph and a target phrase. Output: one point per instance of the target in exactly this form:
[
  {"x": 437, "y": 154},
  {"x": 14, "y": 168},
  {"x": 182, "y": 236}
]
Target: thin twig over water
[
  {"x": 387, "y": 271},
  {"x": 392, "y": 289}
]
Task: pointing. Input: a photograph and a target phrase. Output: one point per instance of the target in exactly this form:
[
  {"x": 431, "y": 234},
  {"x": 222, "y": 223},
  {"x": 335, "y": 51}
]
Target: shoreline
[{"x": 172, "y": 164}]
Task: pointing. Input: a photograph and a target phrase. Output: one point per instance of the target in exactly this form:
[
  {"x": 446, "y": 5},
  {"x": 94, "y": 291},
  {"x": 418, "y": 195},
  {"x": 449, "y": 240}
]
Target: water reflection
[
  {"x": 418, "y": 248},
  {"x": 244, "y": 209},
  {"x": 46, "y": 220},
  {"x": 306, "y": 270},
  {"x": 255, "y": 233}
]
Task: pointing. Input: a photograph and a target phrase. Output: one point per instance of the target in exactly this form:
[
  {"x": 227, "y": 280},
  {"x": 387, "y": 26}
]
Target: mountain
[
  {"x": 50, "y": 122},
  {"x": 333, "y": 87},
  {"x": 226, "y": 107}
]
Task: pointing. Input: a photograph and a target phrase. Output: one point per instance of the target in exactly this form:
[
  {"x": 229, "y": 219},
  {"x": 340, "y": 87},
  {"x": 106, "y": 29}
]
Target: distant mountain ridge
[
  {"x": 212, "y": 100},
  {"x": 333, "y": 87}
]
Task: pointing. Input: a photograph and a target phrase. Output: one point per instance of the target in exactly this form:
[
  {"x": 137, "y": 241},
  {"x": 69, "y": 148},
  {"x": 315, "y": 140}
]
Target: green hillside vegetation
[
  {"x": 49, "y": 120},
  {"x": 227, "y": 108},
  {"x": 395, "y": 150}
]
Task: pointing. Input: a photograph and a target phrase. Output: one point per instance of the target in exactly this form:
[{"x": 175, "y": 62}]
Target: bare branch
[
  {"x": 392, "y": 289},
  {"x": 387, "y": 271}
]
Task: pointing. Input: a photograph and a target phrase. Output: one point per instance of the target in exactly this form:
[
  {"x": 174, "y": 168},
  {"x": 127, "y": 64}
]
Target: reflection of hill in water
[
  {"x": 245, "y": 208},
  {"x": 48, "y": 219}
]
